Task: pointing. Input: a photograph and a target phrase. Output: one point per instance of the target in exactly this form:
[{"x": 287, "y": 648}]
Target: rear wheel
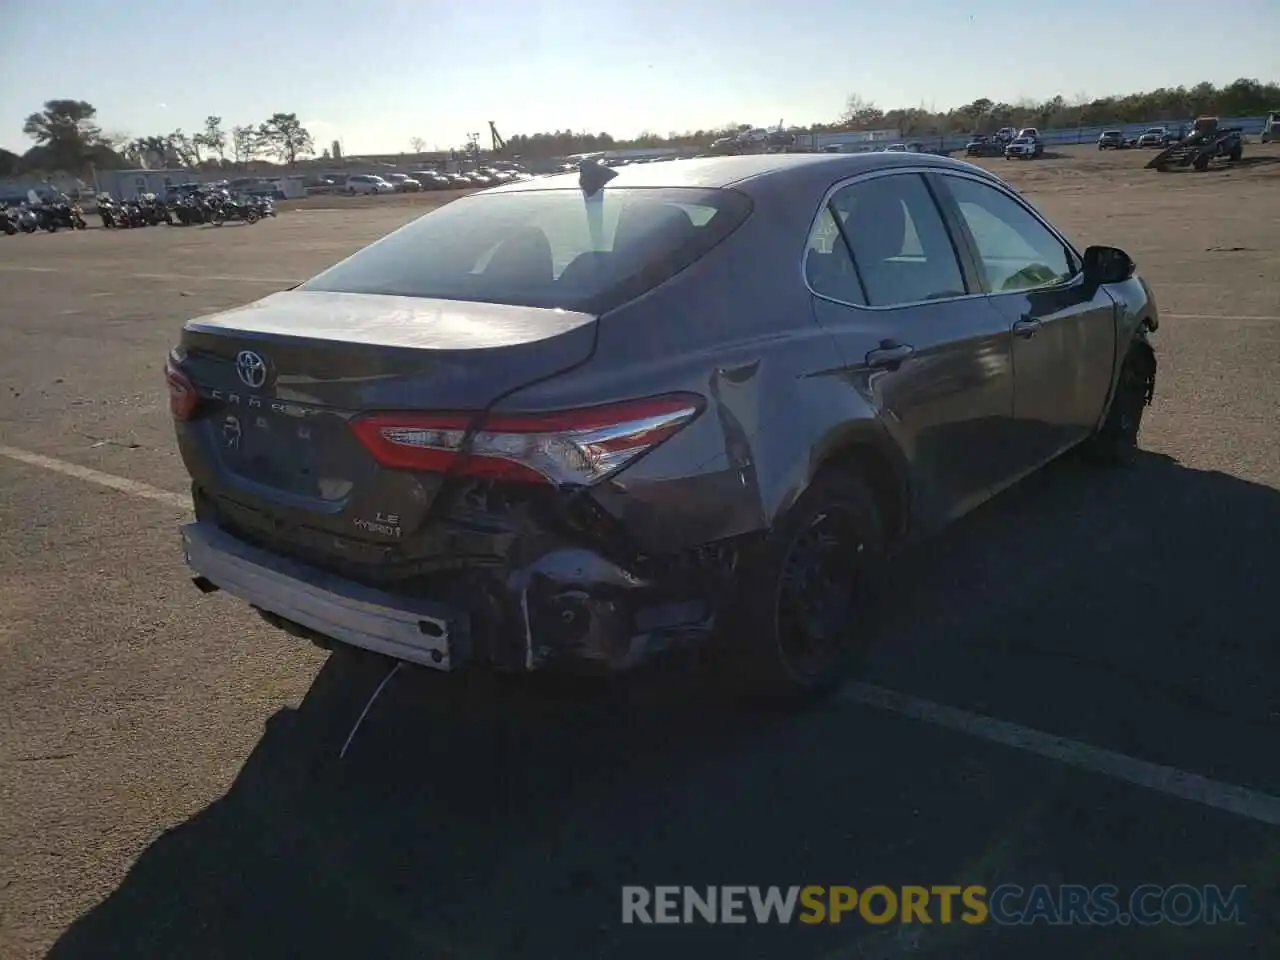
[
  {"x": 799, "y": 624},
  {"x": 1115, "y": 443}
]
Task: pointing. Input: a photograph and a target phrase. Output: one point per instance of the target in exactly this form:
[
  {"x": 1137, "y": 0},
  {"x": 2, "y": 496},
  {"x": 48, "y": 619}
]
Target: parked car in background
[
  {"x": 403, "y": 183},
  {"x": 495, "y": 439},
  {"x": 431, "y": 179},
  {"x": 1023, "y": 148},
  {"x": 1006, "y": 134},
  {"x": 368, "y": 183},
  {"x": 1155, "y": 137},
  {"x": 1112, "y": 140},
  {"x": 981, "y": 146}
]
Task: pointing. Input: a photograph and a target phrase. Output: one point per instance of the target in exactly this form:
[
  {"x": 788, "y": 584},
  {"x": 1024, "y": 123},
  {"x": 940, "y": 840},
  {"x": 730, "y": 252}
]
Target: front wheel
[
  {"x": 798, "y": 624},
  {"x": 1115, "y": 443}
]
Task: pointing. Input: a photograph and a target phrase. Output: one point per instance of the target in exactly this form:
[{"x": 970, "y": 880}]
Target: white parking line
[
  {"x": 1228, "y": 797},
  {"x": 122, "y": 484}
]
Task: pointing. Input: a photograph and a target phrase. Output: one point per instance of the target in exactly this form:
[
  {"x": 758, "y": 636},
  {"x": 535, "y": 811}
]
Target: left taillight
[
  {"x": 183, "y": 398},
  {"x": 579, "y": 447}
]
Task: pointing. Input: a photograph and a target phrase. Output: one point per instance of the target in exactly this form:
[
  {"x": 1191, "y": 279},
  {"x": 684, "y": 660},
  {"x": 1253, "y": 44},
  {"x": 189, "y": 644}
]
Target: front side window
[
  {"x": 544, "y": 248},
  {"x": 1015, "y": 250},
  {"x": 901, "y": 250}
]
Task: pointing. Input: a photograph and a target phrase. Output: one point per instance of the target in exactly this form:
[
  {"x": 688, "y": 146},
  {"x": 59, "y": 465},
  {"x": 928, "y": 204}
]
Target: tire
[
  {"x": 832, "y": 540},
  {"x": 1236, "y": 153},
  {"x": 1115, "y": 443}
]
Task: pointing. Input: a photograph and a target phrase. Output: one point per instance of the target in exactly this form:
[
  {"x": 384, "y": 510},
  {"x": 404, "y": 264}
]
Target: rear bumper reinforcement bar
[{"x": 418, "y": 631}]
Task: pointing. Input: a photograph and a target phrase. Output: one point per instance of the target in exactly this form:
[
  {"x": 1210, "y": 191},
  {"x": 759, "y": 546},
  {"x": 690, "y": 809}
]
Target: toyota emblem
[{"x": 251, "y": 369}]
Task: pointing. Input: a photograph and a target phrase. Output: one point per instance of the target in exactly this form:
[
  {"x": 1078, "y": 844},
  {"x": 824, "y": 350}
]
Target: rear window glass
[{"x": 544, "y": 248}]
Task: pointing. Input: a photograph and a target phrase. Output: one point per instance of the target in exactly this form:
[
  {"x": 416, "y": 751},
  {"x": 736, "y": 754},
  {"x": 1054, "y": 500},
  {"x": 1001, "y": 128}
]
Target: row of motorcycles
[
  {"x": 51, "y": 217},
  {"x": 215, "y": 207}
]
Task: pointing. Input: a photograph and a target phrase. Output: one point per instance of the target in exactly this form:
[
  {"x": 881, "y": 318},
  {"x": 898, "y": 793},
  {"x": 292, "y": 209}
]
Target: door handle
[
  {"x": 1026, "y": 328},
  {"x": 889, "y": 354}
]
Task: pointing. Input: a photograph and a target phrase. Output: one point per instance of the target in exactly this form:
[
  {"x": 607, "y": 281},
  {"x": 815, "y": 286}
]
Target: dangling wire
[{"x": 365, "y": 712}]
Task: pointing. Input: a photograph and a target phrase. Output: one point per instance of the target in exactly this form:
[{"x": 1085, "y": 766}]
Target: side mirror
[{"x": 1107, "y": 265}]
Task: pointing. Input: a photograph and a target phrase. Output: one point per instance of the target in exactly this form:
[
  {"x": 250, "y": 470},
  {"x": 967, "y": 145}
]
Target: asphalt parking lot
[{"x": 1079, "y": 684}]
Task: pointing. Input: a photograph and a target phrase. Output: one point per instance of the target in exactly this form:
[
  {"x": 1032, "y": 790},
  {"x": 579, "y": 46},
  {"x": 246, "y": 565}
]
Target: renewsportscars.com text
[{"x": 1181, "y": 905}]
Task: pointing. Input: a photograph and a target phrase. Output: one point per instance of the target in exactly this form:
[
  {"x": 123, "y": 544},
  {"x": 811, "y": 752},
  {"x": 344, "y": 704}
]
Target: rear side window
[
  {"x": 901, "y": 250},
  {"x": 545, "y": 248}
]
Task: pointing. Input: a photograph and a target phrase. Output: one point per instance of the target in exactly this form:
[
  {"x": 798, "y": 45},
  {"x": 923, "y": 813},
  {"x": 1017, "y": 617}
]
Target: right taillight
[
  {"x": 183, "y": 398},
  {"x": 579, "y": 447}
]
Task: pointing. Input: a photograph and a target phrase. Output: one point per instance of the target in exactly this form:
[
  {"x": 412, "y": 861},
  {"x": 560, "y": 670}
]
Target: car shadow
[
  {"x": 1150, "y": 582},
  {"x": 473, "y": 817}
]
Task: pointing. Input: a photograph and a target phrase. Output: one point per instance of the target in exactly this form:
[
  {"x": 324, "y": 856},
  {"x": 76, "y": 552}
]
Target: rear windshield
[{"x": 544, "y": 248}]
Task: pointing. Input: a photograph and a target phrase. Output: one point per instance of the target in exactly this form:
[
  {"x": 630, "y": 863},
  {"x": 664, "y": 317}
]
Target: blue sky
[{"x": 380, "y": 72}]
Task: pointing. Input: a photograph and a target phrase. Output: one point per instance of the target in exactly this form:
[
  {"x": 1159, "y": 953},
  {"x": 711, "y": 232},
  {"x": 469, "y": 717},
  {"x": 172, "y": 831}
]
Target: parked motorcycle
[
  {"x": 60, "y": 214},
  {"x": 193, "y": 208},
  {"x": 8, "y": 221},
  {"x": 153, "y": 211},
  {"x": 266, "y": 206},
  {"x": 27, "y": 220},
  {"x": 229, "y": 208},
  {"x": 110, "y": 212}
]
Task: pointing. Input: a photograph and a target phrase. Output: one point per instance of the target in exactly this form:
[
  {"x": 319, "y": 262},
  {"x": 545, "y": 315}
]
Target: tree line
[
  {"x": 68, "y": 139},
  {"x": 67, "y": 136},
  {"x": 1242, "y": 98},
  {"x": 280, "y": 137}
]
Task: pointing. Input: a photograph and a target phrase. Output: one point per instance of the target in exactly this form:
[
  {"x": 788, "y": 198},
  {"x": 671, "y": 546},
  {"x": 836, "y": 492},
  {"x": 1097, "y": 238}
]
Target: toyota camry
[{"x": 576, "y": 421}]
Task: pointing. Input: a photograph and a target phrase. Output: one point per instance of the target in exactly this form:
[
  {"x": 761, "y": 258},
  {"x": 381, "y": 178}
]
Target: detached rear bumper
[{"x": 418, "y": 631}]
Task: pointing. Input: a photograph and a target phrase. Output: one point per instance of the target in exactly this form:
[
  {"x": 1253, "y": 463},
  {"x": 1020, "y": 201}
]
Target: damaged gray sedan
[{"x": 576, "y": 421}]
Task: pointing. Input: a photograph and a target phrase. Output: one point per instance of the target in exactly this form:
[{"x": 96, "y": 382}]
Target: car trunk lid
[{"x": 280, "y": 380}]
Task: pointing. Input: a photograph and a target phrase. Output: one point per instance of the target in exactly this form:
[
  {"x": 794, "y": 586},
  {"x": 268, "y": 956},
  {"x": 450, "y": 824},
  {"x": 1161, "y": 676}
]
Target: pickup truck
[
  {"x": 1112, "y": 140},
  {"x": 1023, "y": 148}
]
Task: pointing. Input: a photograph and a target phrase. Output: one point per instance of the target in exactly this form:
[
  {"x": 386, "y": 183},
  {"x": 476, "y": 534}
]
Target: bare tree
[{"x": 418, "y": 144}]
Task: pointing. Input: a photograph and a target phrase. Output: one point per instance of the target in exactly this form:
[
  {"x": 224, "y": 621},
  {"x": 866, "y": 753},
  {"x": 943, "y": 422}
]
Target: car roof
[{"x": 753, "y": 174}]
